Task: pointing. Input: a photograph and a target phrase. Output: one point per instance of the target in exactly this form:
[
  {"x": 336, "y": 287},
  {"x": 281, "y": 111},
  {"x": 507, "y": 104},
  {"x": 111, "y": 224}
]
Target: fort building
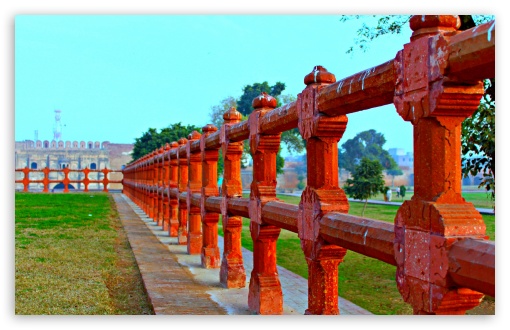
[{"x": 74, "y": 155}]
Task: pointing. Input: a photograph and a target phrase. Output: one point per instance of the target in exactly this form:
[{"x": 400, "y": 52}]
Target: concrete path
[{"x": 176, "y": 283}]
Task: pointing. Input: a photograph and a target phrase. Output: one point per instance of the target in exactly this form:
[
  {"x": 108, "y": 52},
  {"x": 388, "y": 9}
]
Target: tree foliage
[
  {"x": 479, "y": 145},
  {"x": 367, "y": 181},
  {"x": 244, "y": 104},
  {"x": 152, "y": 139},
  {"x": 366, "y": 144},
  {"x": 478, "y": 131},
  {"x": 217, "y": 111},
  {"x": 375, "y": 26},
  {"x": 292, "y": 139}
]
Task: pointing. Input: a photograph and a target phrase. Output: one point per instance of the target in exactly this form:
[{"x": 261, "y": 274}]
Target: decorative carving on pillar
[
  {"x": 152, "y": 187},
  {"x": 165, "y": 188},
  {"x": 182, "y": 232},
  {"x": 437, "y": 216},
  {"x": 210, "y": 255},
  {"x": 265, "y": 293},
  {"x": 194, "y": 186},
  {"x": 159, "y": 185},
  {"x": 173, "y": 190},
  {"x": 322, "y": 194},
  {"x": 232, "y": 272}
]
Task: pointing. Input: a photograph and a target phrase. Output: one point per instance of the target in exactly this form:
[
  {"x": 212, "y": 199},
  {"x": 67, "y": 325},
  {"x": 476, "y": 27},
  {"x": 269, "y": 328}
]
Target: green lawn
[
  {"x": 367, "y": 282},
  {"x": 72, "y": 257},
  {"x": 479, "y": 199}
]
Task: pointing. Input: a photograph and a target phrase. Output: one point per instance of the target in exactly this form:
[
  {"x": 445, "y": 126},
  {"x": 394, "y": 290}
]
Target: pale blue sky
[{"x": 115, "y": 76}]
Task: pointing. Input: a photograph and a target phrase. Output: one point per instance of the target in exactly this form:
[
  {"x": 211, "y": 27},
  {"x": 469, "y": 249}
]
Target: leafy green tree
[
  {"x": 479, "y": 145},
  {"x": 367, "y": 181},
  {"x": 244, "y": 104},
  {"x": 292, "y": 139},
  {"x": 478, "y": 131},
  {"x": 152, "y": 139},
  {"x": 367, "y": 144}
]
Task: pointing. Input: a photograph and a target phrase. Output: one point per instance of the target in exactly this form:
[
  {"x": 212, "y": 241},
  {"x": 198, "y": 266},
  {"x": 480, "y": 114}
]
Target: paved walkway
[{"x": 177, "y": 284}]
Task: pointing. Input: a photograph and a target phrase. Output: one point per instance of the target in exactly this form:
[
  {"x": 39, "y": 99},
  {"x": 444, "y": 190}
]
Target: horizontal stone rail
[
  {"x": 66, "y": 180},
  {"x": 443, "y": 261}
]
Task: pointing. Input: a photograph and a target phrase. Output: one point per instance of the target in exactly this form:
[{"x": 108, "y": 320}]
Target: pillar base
[
  {"x": 265, "y": 295},
  {"x": 210, "y": 257},
  {"x": 173, "y": 229},
  {"x": 194, "y": 243},
  {"x": 232, "y": 274}
]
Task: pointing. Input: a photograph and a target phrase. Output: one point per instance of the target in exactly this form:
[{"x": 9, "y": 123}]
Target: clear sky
[{"x": 115, "y": 76}]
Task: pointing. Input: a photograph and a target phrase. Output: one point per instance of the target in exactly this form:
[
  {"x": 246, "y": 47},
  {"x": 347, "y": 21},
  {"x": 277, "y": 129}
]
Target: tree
[
  {"x": 368, "y": 144},
  {"x": 479, "y": 145},
  {"x": 301, "y": 171},
  {"x": 152, "y": 140},
  {"x": 367, "y": 180},
  {"x": 244, "y": 104},
  {"x": 217, "y": 111},
  {"x": 292, "y": 139},
  {"x": 478, "y": 131}
]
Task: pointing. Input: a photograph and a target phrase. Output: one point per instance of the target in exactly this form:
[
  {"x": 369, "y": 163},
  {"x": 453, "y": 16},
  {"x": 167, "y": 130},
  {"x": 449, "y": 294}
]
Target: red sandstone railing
[
  {"x": 444, "y": 262},
  {"x": 62, "y": 176}
]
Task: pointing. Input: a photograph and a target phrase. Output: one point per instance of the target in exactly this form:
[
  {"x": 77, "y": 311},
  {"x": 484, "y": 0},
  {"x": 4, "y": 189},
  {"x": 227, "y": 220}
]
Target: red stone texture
[
  {"x": 437, "y": 216},
  {"x": 210, "y": 254},
  {"x": 322, "y": 194},
  {"x": 265, "y": 293},
  {"x": 232, "y": 272}
]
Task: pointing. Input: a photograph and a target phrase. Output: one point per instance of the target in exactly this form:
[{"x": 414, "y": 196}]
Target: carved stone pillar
[
  {"x": 232, "y": 272},
  {"x": 265, "y": 292},
  {"x": 437, "y": 215},
  {"x": 182, "y": 232},
  {"x": 173, "y": 228},
  {"x": 165, "y": 187},
  {"x": 151, "y": 186},
  {"x": 322, "y": 194},
  {"x": 210, "y": 255},
  {"x": 159, "y": 161},
  {"x": 194, "y": 186}
]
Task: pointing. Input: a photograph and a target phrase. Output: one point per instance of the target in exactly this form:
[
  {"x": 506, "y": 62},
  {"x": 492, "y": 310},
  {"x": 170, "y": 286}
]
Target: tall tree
[
  {"x": 368, "y": 144},
  {"x": 152, "y": 139},
  {"x": 478, "y": 131},
  {"x": 367, "y": 181}
]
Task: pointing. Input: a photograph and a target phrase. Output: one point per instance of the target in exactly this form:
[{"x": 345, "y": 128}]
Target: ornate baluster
[
  {"x": 265, "y": 292},
  {"x": 437, "y": 215},
  {"x": 322, "y": 194}
]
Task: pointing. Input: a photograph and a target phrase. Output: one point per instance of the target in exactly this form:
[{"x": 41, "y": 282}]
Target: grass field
[
  {"x": 479, "y": 199},
  {"x": 72, "y": 257}
]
